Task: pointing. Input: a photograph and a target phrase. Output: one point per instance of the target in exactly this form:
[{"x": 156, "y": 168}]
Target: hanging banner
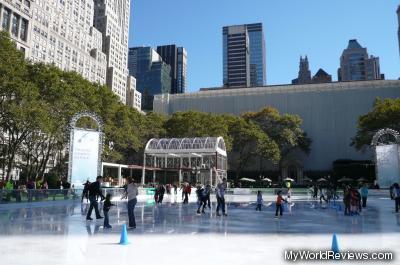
[
  {"x": 387, "y": 162},
  {"x": 85, "y": 156}
]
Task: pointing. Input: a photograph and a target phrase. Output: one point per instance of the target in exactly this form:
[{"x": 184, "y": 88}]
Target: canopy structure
[{"x": 204, "y": 157}]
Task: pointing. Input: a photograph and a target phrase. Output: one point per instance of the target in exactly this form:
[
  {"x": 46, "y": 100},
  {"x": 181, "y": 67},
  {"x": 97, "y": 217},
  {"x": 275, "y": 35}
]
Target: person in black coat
[
  {"x": 161, "y": 192},
  {"x": 85, "y": 192},
  {"x": 94, "y": 190}
]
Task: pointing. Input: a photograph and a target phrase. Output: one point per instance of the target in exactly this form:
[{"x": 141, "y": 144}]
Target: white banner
[
  {"x": 387, "y": 162},
  {"x": 85, "y": 156}
]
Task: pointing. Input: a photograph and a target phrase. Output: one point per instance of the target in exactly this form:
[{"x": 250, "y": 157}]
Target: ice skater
[
  {"x": 364, "y": 194},
  {"x": 201, "y": 194},
  {"x": 106, "y": 208},
  {"x": 259, "y": 200},
  {"x": 346, "y": 200},
  {"x": 279, "y": 206},
  {"x": 94, "y": 191},
  {"x": 396, "y": 195},
  {"x": 85, "y": 192},
  {"x": 131, "y": 193},
  {"x": 221, "y": 189},
  {"x": 208, "y": 193}
]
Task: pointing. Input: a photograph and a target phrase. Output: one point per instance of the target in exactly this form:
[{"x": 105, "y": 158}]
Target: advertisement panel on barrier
[
  {"x": 387, "y": 159},
  {"x": 85, "y": 156}
]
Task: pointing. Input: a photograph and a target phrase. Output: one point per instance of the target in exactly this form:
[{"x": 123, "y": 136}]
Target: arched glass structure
[{"x": 199, "y": 159}]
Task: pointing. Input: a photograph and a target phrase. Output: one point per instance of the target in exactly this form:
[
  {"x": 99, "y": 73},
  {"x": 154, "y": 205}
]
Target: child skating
[
  {"x": 106, "y": 208},
  {"x": 279, "y": 206}
]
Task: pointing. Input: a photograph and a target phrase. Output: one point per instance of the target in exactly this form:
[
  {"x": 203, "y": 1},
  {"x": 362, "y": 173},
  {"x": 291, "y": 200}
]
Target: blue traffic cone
[
  {"x": 335, "y": 245},
  {"x": 124, "y": 236}
]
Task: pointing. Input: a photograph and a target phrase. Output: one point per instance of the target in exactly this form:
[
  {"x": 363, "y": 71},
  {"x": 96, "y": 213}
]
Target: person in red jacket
[{"x": 279, "y": 206}]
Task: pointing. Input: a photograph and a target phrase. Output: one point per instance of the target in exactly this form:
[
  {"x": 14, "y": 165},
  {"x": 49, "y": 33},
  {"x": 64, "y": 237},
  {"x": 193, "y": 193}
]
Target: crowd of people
[{"x": 33, "y": 189}]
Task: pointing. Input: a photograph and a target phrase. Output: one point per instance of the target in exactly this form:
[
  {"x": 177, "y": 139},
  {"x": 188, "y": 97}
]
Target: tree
[
  {"x": 198, "y": 124},
  {"x": 385, "y": 114},
  {"x": 285, "y": 129},
  {"x": 250, "y": 141}
]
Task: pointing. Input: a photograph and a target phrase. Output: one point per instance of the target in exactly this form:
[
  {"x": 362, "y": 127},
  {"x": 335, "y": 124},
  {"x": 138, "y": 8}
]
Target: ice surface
[{"x": 172, "y": 233}]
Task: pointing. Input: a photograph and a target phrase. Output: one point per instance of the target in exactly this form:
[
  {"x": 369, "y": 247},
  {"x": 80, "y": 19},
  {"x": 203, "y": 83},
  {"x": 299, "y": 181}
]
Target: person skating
[
  {"x": 396, "y": 195},
  {"x": 187, "y": 191},
  {"x": 106, "y": 208},
  {"x": 131, "y": 193},
  {"x": 346, "y": 200},
  {"x": 279, "y": 206},
  {"x": 315, "y": 189},
  {"x": 201, "y": 193},
  {"x": 94, "y": 190},
  {"x": 221, "y": 189},
  {"x": 208, "y": 194},
  {"x": 161, "y": 192},
  {"x": 259, "y": 200},
  {"x": 85, "y": 192},
  {"x": 364, "y": 195}
]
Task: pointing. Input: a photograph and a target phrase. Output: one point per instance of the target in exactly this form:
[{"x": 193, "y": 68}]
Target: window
[
  {"x": 24, "y": 29},
  {"x": 6, "y": 19},
  {"x": 14, "y": 26}
]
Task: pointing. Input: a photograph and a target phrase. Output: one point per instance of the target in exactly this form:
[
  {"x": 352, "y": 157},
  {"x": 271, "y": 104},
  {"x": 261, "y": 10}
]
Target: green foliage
[
  {"x": 385, "y": 114},
  {"x": 285, "y": 130}
]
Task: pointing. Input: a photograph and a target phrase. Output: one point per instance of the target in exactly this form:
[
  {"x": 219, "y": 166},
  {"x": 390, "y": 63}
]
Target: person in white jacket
[{"x": 131, "y": 193}]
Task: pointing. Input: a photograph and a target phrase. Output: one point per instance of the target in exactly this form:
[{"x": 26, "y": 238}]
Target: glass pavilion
[{"x": 200, "y": 159}]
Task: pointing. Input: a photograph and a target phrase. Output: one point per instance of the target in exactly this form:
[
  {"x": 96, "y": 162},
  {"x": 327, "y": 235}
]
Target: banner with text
[{"x": 85, "y": 156}]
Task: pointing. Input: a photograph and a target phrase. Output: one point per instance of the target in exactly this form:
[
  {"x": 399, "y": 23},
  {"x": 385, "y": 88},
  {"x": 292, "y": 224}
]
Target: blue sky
[{"x": 317, "y": 28}]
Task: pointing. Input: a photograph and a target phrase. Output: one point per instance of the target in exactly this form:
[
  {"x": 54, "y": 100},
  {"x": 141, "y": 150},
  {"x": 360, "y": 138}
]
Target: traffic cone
[
  {"x": 335, "y": 245},
  {"x": 124, "y": 236}
]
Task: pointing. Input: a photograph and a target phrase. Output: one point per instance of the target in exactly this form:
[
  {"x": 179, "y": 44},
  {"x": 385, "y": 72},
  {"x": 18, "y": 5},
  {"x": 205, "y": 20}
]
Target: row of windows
[{"x": 19, "y": 25}]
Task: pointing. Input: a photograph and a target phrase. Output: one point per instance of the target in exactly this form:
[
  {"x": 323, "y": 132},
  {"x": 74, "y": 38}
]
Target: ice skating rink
[{"x": 172, "y": 233}]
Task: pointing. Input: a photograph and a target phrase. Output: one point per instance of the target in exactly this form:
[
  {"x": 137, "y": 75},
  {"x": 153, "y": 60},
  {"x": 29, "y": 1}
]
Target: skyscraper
[
  {"x": 244, "y": 55},
  {"x": 175, "y": 57},
  {"x": 55, "y": 32},
  {"x": 86, "y": 36},
  {"x": 182, "y": 70},
  {"x": 236, "y": 56},
  {"x": 304, "y": 76},
  {"x": 111, "y": 18},
  {"x": 151, "y": 72},
  {"x": 356, "y": 65},
  {"x": 257, "y": 54},
  {"x": 398, "y": 21}
]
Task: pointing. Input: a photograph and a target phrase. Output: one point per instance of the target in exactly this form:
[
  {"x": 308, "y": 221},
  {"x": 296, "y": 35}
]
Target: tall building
[
  {"x": 133, "y": 97},
  {"x": 15, "y": 18},
  {"x": 356, "y": 65},
  {"x": 111, "y": 18},
  {"x": 182, "y": 70},
  {"x": 244, "y": 55},
  {"x": 398, "y": 21},
  {"x": 176, "y": 58},
  {"x": 86, "y": 36},
  {"x": 236, "y": 56},
  {"x": 151, "y": 72},
  {"x": 257, "y": 54},
  {"x": 304, "y": 76}
]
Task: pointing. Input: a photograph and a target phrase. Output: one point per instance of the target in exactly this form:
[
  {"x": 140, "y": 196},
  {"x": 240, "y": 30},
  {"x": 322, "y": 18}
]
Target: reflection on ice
[{"x": 301, "y": 216}]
